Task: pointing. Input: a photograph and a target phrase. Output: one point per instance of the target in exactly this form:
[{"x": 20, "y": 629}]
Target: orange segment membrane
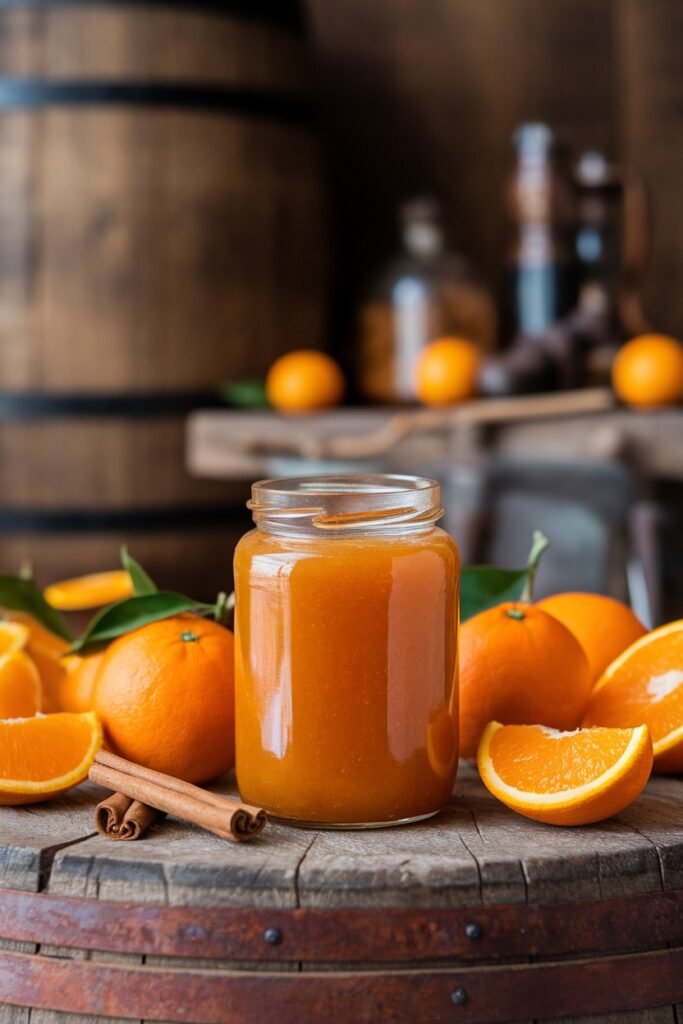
[
  {"x": 43, "y": 748},
  {"x": 540, "y": 760}
]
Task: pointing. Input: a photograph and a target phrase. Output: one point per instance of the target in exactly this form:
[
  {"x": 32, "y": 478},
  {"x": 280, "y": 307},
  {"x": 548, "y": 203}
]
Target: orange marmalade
[{"x": 346, "y": 624}]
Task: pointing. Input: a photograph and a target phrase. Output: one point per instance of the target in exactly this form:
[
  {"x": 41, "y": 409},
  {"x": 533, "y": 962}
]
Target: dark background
[{"x": 424, "y": 95}]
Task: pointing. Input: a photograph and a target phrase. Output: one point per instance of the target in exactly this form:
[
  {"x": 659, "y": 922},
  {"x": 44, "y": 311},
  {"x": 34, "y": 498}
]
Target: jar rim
[{"x": 357, "y": 502}]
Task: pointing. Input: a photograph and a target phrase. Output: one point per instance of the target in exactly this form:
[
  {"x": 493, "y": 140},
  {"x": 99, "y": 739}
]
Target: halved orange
[
  {"x": 645, "y": 685},
  {"x": 20, "y": 689},
  {"x": 93, "y": 591},
  {"x": 564, "y": 778},
  {"x": 44, "y": 756}
]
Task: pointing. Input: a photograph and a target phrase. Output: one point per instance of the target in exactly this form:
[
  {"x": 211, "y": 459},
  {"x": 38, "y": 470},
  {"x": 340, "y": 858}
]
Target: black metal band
[
  {"x": 266, "y": 104},
  {"x": 34, "y": 405},
  {"x": 139, "y": 520},
  {"x": 285, "y": 14}
]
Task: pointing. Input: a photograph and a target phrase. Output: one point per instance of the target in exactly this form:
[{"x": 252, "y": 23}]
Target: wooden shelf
[{"x": 585, "y": 425}]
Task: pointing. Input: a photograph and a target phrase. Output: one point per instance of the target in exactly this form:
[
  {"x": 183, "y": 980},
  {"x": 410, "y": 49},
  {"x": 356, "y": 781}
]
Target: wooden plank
[
  {"x": 239, "y": 445},
  {"x": 419, "y": 865},
  {"x": 652, "y": 442},
  {"x": 659, "y": 819},
  {"x": 492, "y": 994},
  {"x": 30, "y": 836},
  {"x": 226, "y": 444},
  {"x": 182, "y": 865},
  {"x": 29, "y": 839}
]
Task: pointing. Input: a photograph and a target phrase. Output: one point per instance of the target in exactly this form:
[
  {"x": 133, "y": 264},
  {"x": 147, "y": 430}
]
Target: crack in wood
[{"x": 48, "y": 854}]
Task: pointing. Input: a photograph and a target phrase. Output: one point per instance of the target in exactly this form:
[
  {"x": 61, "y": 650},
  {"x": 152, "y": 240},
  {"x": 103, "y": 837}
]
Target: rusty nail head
[
  {"x": 459, "y": 997},
  {"x": 473, "y": 930},
  {"x": 273, "y": 936}
]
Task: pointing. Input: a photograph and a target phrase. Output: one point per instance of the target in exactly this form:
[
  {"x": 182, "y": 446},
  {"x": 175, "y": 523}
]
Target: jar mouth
[{"x": 344, "y": 503}]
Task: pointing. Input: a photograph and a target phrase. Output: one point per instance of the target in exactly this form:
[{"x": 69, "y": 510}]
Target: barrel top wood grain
[
  {"x": 475, "y": 853},
  {"x": 477, "y": 916}
]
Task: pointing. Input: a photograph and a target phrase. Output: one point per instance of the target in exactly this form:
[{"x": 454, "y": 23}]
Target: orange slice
[
  {"x": 13, "y": 637},
  {"x": 645, "y": 685},
  {"x": 20, "y": 689},
  {"x": 564, "y": 778},
  {"x": 94, "y": 591},
  {"x": 44, "y": 756}
]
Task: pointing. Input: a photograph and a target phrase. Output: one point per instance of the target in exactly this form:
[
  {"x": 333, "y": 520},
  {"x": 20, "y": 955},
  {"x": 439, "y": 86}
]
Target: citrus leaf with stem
[
  {"x": 134, "y": 612},
  {"x": 483, "y": 586}
]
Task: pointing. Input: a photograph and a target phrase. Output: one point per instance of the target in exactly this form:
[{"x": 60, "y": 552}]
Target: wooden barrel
[
  {"x": 477, "y": 916},
  {"x": 161, "y": 230}
]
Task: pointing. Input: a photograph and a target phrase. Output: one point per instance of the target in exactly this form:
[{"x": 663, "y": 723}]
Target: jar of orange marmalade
[{"x": 346, "y": 626}]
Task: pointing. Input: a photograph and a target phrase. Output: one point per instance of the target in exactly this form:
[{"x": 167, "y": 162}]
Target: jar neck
[
  {"x": 299, "y": 532},
  {"x": 346, "y": 506}
]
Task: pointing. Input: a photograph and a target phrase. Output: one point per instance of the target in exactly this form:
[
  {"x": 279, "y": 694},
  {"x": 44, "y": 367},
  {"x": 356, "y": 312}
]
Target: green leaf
[
  {"x": 245, "y": 394},
  {"x": 483, "y": 586},
  {"x": 133, "y": 612},
  {"x": 142, "y": 583},
  {"x": 22, "y": 595}
]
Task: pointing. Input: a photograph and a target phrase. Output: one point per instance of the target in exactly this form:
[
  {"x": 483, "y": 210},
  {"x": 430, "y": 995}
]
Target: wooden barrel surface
[
  {"x": 162, "y": 230},
  {"x": 477, "y": 916}
]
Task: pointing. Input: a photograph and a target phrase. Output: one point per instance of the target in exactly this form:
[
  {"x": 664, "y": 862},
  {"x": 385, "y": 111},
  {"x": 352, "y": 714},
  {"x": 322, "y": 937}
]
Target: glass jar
[{"x": 346, "y": 628}]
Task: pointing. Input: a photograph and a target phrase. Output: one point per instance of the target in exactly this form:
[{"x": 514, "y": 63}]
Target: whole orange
[
  {"x": 165, "y": 696},
  {"x": 648, "y": 371},
  {"x": 303, "y": 381},
  {"x": 447, "y": 371},
  {"x": 604, "y": 627},
  {"x": 519, "y": 666}
]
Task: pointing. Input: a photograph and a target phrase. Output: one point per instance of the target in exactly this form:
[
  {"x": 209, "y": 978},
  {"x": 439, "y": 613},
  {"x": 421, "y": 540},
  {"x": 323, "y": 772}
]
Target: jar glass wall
[{"x": 346, "y": 622}]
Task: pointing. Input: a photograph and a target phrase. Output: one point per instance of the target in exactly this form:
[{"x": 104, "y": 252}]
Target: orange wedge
[
  {"x": 94, "y": 591},
  {"x": 13, "y": 637},
  {"x": 645, "y": 685},
  {"x": 20, "y": 689},
  {"x": 564, "y": 778},
  {"x": 44, "y": 756},
  {"x": 45, "y": 650}
]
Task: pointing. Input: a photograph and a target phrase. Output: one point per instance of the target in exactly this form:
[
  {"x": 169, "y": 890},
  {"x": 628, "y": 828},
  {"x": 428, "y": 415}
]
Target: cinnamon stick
[
  {"x": 227, "y": 818},
  {"x": 118, "y": 817}
]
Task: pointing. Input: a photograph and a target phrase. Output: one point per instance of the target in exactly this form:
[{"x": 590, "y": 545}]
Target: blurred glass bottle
[
  {"x": 542, "y": 278},
  {"x": 425, "y": 293},
  {"x": 612, "y": 245},
  {"x": 612, "y": 241}
]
